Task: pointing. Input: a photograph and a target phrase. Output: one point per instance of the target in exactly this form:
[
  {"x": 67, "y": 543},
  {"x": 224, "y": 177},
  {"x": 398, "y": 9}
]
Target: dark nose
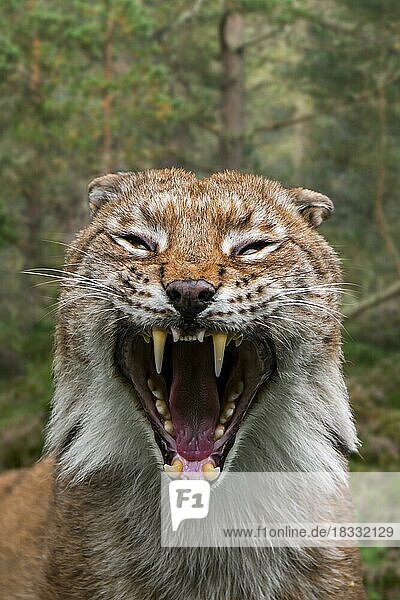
[{"x": 190, "y": 296}]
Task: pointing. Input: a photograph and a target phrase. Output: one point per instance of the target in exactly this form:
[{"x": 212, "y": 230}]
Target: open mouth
[{"x": 195, "y": 390}]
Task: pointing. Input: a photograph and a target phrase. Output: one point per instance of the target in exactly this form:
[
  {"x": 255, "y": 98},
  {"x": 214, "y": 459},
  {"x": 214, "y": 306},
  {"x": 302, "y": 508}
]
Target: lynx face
[{"x": 209, "y": 288}]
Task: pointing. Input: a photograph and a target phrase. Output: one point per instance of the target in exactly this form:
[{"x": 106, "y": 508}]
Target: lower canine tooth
[
  {"x": 159, "y": 338},
  {"x": 219, "y": 432},
  {"x": 210, "y": 472},
  {"x": 208, "y": 467},
  {"x": 219, "y": 340},
  {"x": 169, "y": 428},
  {"x": 169, "y": 468},
  {"x": 177, "y": 465},
  {"x": 173, "y": 470}
]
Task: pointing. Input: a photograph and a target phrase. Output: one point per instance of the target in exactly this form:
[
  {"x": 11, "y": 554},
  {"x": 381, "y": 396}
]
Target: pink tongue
[{"x": 193, "y": 400}]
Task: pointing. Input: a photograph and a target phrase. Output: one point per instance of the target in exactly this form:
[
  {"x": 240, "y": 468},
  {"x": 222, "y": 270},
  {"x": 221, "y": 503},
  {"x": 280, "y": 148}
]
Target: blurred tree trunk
[
  {"x": 33, "y": 180},
  {"x": 300, "y": 131},
  {"x": 231, "y": 43},
  {"x": 381, "y": 181},
  {"x": 107, "y": 98}
]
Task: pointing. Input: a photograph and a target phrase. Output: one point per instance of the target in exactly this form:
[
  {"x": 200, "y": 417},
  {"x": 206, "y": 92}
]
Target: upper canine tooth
[
  {"x": 159, "y": 338},
  {"x": 219, "y": 340},
  {"x": 175, "y": 334}
]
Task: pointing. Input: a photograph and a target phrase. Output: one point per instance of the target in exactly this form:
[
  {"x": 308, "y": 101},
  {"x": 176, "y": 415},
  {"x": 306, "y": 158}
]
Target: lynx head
[{"x": 198, "y": 299}]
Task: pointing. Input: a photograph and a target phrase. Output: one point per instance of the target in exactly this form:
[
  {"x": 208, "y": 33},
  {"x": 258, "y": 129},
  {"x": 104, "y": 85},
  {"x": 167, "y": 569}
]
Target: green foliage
[
  {"x": 383, "y": 573},
  {"x": 8, "y": 233}
]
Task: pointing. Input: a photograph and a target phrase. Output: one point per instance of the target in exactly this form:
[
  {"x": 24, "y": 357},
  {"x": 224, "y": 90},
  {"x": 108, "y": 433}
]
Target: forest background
[{"x": 301, "y": 91}]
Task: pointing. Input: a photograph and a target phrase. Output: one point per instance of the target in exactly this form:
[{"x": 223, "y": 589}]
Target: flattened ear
[
  {"x": 103, "y": 189},
  {"x": 312, "y": 206}
]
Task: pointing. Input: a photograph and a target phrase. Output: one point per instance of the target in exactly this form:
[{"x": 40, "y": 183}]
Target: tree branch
[
  {"x": 261, "y": 38},
  {"x": 106, "y": 100},
  {"x": 183, "y": 18},
  {"x": 373, "y": 300},
  {"x": 333, "y": 26},
  {"x": 287, "y": 122},
  {"x": 381, "y": 180},
  {"x": 329, "y": 111}
]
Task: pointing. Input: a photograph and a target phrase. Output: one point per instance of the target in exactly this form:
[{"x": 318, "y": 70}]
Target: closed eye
[
  {"x": 256, "y": 247},
  {"x": 134, "y": 244}
]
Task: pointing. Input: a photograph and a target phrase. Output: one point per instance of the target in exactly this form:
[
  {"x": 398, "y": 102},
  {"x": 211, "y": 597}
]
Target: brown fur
[{"x": 24, "y": 504}]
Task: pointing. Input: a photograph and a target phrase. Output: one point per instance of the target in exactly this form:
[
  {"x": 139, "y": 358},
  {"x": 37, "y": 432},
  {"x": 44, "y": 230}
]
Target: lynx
[{"x": 198, "y": 332}]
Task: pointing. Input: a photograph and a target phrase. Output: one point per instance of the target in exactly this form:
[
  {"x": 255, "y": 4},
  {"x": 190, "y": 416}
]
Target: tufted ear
[
  {"x": 103, "y": 189},
  {"x": 312, "y": 206}
]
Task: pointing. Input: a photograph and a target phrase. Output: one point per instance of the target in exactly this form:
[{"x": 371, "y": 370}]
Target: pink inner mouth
[
  {"x": 193, "y": 401},
  {"x": 194, "y": 411}
]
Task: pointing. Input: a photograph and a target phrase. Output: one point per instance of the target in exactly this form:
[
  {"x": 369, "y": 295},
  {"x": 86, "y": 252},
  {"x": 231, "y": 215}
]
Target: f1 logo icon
[{"x": 188, "y": 499}]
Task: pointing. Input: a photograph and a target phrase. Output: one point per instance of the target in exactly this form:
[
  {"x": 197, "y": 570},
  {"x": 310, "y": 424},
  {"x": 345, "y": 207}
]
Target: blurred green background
[{"x": 301, "y": 91}]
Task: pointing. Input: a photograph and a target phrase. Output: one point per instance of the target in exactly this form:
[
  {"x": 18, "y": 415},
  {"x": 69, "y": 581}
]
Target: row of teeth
[
  {"x": 228, "y": 410},
  {"x": 226, "y": 415},
  {"x": 220, "y": 341},
  {"x": 210, "y": 472}
]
